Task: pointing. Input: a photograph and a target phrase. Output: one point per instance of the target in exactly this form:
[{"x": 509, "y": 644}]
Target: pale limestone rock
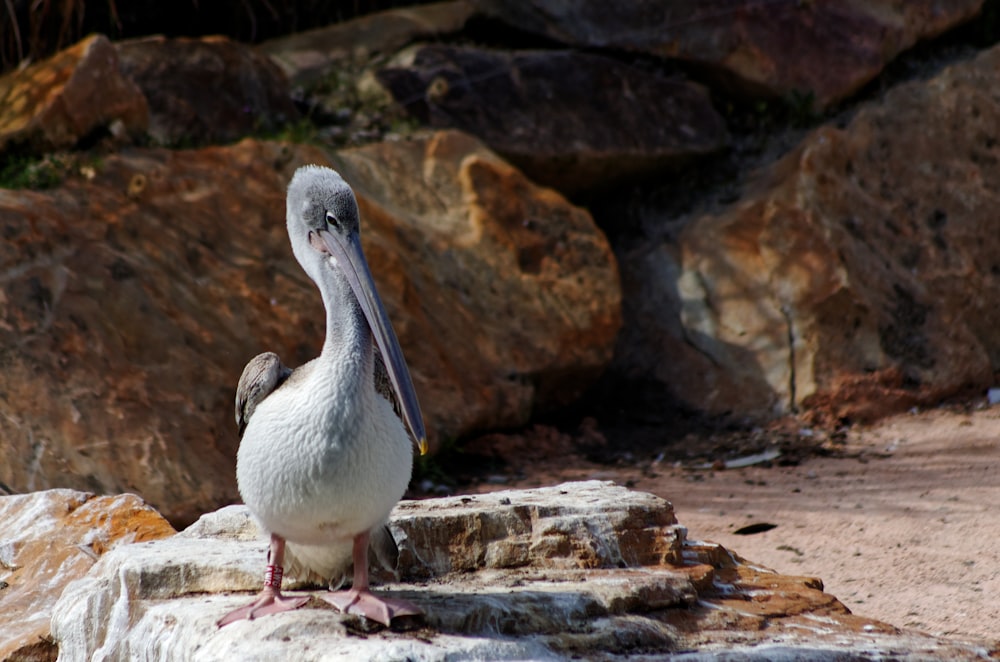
[
  {"x": 47, "y": 540},
  {"x": 608, "y": 574}
]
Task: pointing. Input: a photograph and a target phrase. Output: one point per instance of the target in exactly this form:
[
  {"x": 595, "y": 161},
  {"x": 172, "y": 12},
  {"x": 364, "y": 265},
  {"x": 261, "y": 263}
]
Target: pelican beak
[{"x": 346, "y": 250}]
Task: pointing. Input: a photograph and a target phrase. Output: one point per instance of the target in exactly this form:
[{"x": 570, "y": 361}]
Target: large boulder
[
  {"x": 581, "y": 569},
  {"x": 208, "y": 90},
  {"x": 574, "y": 121},
  {"x": 858, "y": 275},
  {"x": 131, "y": 301},
  {"x": 310, "y": 56},
  {"x": 507, "y": 294},
  {"x": 72, "y": 96},
  {"x": 49, "y": 539},
  {"x": 822, "y": 50}
]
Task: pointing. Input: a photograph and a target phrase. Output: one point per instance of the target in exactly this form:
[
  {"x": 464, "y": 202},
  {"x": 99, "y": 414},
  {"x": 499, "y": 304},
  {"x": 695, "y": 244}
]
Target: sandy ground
[
  {"x": 908, "y": 533},
  {"x": 905, "y": 528}
]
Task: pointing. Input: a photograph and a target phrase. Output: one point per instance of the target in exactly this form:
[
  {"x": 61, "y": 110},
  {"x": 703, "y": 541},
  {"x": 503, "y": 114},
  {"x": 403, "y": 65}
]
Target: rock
[
  {"x": 47, "y": 540},
  {"x": 306, "y": 57},
  {"x": 508, "y": 295},
  {"x": 856, "y": 277},
  {"x": 68, "y": 98},
  {"x": 579, "y": 569},
  {"x": 130, "y": 303},
  {"x": 550, "y": 112},
  {"x": 821, "y": 49},
  {"x": 129, "y": 307},
  {"x": 208, "y": 90}
]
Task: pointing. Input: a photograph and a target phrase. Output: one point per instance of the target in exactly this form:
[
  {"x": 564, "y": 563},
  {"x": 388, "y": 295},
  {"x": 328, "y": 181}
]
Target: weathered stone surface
[
  {"x": 549, "y": 111},
  {"x": 68, "y": 97},
  {"x": 47, "y": 540},
  {"x": 206, "y": 90},
  {"x": 308, "y": 56},
  {"x": 595, "y": 581},
  {"x": 824, "y": 47},
  {"x": 511, "y": 298},
  {"x": 130, "y": 303},
  {"x": 857, "y": 276}
]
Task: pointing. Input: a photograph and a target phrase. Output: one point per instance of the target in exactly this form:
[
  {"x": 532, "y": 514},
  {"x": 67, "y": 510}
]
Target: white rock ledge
[{"x": 583, "y": 569}]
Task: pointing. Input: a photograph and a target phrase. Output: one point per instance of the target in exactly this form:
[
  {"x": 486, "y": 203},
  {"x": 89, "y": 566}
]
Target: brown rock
[
  {"x": 308, "y": 56},
  {"x": 130, "y": 303},
  {"x": 206, "y": 90},
  {"x": 508, "y": 294},
  {"x": 129, "y": 307},
  {"x": 824, "y": 48},
  {"x": 570, "y": 120},
  {"x": 68, "y": 97},
  {"x": 857, "y": 276},
  {"x": 47, "y": 540}
]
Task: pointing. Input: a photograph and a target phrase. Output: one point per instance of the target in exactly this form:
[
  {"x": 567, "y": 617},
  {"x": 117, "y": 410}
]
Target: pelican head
[{"x": 324, "y": 228}]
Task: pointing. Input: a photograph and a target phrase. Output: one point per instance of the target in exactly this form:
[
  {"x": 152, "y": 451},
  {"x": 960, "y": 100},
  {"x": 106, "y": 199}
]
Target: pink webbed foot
[
  {"x": 269, "y": 601},
  {"x": 365, "y": 603}
]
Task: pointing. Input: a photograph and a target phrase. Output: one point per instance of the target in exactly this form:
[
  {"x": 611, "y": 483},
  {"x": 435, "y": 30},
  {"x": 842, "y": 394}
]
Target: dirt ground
[{"x": 900, "y": 519}]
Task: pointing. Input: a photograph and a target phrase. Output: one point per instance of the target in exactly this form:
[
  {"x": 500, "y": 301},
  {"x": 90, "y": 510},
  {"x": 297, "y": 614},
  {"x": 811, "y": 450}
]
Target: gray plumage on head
[
  {"x": 314, "y": 191},
  {"x": 261, "y": 376}
]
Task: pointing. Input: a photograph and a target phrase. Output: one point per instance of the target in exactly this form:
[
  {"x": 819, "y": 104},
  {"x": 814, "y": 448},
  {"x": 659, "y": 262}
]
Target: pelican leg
[
  {"x": 360, "y": 600},
  {"x": 269, "y": 600}
]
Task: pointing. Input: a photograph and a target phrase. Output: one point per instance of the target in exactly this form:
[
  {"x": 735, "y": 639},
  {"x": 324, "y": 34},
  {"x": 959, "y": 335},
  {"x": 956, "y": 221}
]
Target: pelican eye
[{"x": 332, "y": 220}]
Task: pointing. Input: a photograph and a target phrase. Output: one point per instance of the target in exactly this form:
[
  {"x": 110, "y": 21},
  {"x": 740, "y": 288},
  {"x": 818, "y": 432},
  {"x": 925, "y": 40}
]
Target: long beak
[{"x": 347, "y": 251}]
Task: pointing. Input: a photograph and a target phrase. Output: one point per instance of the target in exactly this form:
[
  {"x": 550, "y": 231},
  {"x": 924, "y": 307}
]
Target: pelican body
[{"x": 323, "y": 455}]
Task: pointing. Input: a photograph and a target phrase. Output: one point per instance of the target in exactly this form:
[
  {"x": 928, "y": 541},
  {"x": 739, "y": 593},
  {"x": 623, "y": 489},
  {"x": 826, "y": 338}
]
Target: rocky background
[
  {"x": 600, "y": 230},
  {"x": 649, "y": 215}
]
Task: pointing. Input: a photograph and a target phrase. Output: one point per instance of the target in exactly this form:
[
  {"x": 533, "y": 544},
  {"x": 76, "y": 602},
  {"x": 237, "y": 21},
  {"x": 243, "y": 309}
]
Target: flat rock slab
[{"x": 609, "y": 573}]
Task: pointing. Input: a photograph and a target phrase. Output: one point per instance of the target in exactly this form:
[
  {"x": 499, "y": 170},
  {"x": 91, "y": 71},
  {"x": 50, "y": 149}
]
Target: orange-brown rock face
[
  {"x": 858, "y": 276},
  {"x": 127, "y": 314},
  {"x": 508, "y": 295},
  {"x": 47, "y": 540},
  {"x": 59, "y": 101},
  {"x": 131, "y": 302}
]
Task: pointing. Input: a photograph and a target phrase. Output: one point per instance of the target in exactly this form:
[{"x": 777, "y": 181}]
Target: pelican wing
[
  {"x": 261, "y": 376},
  {"x": 383, "y": 385}
]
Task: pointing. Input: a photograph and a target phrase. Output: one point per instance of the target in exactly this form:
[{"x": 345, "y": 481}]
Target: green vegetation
[
  {"x": 32, "y": 172},
  {"x": 303, "y": 131},
  {"x": 23, "y": 170}
]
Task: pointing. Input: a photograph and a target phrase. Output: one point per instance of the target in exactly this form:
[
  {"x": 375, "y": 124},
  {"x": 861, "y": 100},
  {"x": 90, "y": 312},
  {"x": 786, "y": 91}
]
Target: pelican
[{"x": 325, "y": 449}]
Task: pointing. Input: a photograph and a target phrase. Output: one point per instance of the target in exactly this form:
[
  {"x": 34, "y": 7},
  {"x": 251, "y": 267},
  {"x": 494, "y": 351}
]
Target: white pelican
[{"x": 324, "y": 455}]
